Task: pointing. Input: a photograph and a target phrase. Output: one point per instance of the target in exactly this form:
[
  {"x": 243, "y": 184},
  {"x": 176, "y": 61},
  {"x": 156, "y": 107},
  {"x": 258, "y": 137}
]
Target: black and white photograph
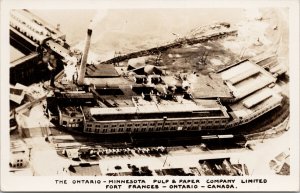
[{"x": 150, "y": 98}]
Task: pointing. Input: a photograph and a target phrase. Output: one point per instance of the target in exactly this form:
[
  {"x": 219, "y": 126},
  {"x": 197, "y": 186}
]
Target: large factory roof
[
  {"x": 72, "y": 95},
  {"x": 255, "y": 102},
  {"x": 152, "y": 110},
  {"x": 73, "y": 98},
  {"x": 257, "y": 97},
  {"x": 101, "y": 70},
  {"x": 155, "y": 115},
  {"x": 41, "y": 22},
  {"x": 208, "y": 86},
  {"x": 245, "y": 78},
  {"x": 23, "y": 59},
  {"x": 59, "y": 49},
  {"x": 202, "y": 86},
  {"x": 251, "y": 85},
  {"x": 108, "y": 82},
  {"x": 240, "y": 77},
  {"x": 71, "y": 111},
  {"x": 125, "y": 99}
]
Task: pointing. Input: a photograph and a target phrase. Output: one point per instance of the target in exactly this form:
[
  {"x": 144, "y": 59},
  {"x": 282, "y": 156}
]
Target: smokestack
[{"x": 82, "y": 68}]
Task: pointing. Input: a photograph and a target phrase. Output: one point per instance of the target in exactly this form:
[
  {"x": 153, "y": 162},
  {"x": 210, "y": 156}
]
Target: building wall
[
  {"x": 18, "y": 160},
  {"x": 68, "y": 121},
  {"x": 254, "y": 115},
  {"x": 28, "y": 72},
  {"x": 154, "y": 125}
]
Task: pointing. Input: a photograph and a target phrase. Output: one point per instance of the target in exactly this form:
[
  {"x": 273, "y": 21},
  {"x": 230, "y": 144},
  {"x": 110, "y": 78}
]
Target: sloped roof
[
  {"x": 208, "y": 86},
  {"x": 101, "y": 70}
]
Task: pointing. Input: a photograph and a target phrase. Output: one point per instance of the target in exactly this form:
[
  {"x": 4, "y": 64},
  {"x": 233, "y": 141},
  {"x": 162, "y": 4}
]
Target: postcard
[{"x": 150, "y": 95}]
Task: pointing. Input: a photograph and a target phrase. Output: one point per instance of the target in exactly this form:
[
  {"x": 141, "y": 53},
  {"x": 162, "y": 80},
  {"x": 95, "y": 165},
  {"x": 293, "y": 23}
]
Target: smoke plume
[{"x": 100, "y": 15}]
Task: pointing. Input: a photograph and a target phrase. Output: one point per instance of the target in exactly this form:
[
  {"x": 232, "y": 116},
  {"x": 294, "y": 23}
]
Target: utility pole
[
  {"x": 264, "y": 137},
  {"x": 157, "y": 58},
  {"x": 165, "y": 161},
  {"x": 116, "y": 55},
  {"x": 163, "y": 126},
  {"x": 203, "y": 57},
  {"x": 243, "y": 53}
]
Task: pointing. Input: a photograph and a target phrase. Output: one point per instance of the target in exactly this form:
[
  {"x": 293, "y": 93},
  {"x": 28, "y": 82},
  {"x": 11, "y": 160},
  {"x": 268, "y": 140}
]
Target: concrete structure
[
  {"x": 16, "y": 95},
  {"x": 154, "y": 118},
  {"x": 70, "y": 116},
  {"x": 19, "y": 157},
  {"x": 257, "y": 98},
  {"x": 33, "y": 27},
  {"x": 252, "y": 88},
  {"x": 82, "y": 68},
  {"x": 125, "y": 106},
  {"x": 34, "y": 37},
  {"x": 245, "y": 78}
]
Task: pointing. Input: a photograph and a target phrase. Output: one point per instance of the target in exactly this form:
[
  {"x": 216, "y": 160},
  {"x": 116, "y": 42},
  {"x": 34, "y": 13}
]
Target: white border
[{"x": 276, "y": 183}]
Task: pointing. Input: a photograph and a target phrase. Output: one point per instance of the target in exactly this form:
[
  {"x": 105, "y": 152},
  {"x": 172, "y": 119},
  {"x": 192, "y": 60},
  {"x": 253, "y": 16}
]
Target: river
[{"x": 135, "y": 29}]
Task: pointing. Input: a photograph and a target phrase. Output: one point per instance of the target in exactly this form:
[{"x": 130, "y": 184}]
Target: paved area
[{"x": 45, "y": 161}]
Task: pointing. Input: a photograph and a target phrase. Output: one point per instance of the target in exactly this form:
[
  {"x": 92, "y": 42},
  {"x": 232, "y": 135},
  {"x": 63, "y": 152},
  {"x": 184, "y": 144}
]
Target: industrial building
[
  {"x": 154, "y": 118},
  {"x": 254, "y": 90},
  {"x": 129, "y": 105},
  {"x": 104, "y": 98},
  {"x": 144, "y": 99}
]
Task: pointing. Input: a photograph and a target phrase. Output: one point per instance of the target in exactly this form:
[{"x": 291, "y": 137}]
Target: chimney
[{"x": 82, "y": 68}]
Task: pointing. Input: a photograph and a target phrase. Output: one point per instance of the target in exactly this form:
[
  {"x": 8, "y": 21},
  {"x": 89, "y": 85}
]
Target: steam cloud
[
  {"x": 100, "y": 15},
  {"x": 71, "y": 62}
]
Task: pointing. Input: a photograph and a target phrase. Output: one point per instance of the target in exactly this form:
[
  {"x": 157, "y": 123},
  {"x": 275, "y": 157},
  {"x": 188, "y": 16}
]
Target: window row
[
  {"x": 75, "y": 120},
  {"x": 143, "y": 129},
  {"x": 158, "y": 124}
]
